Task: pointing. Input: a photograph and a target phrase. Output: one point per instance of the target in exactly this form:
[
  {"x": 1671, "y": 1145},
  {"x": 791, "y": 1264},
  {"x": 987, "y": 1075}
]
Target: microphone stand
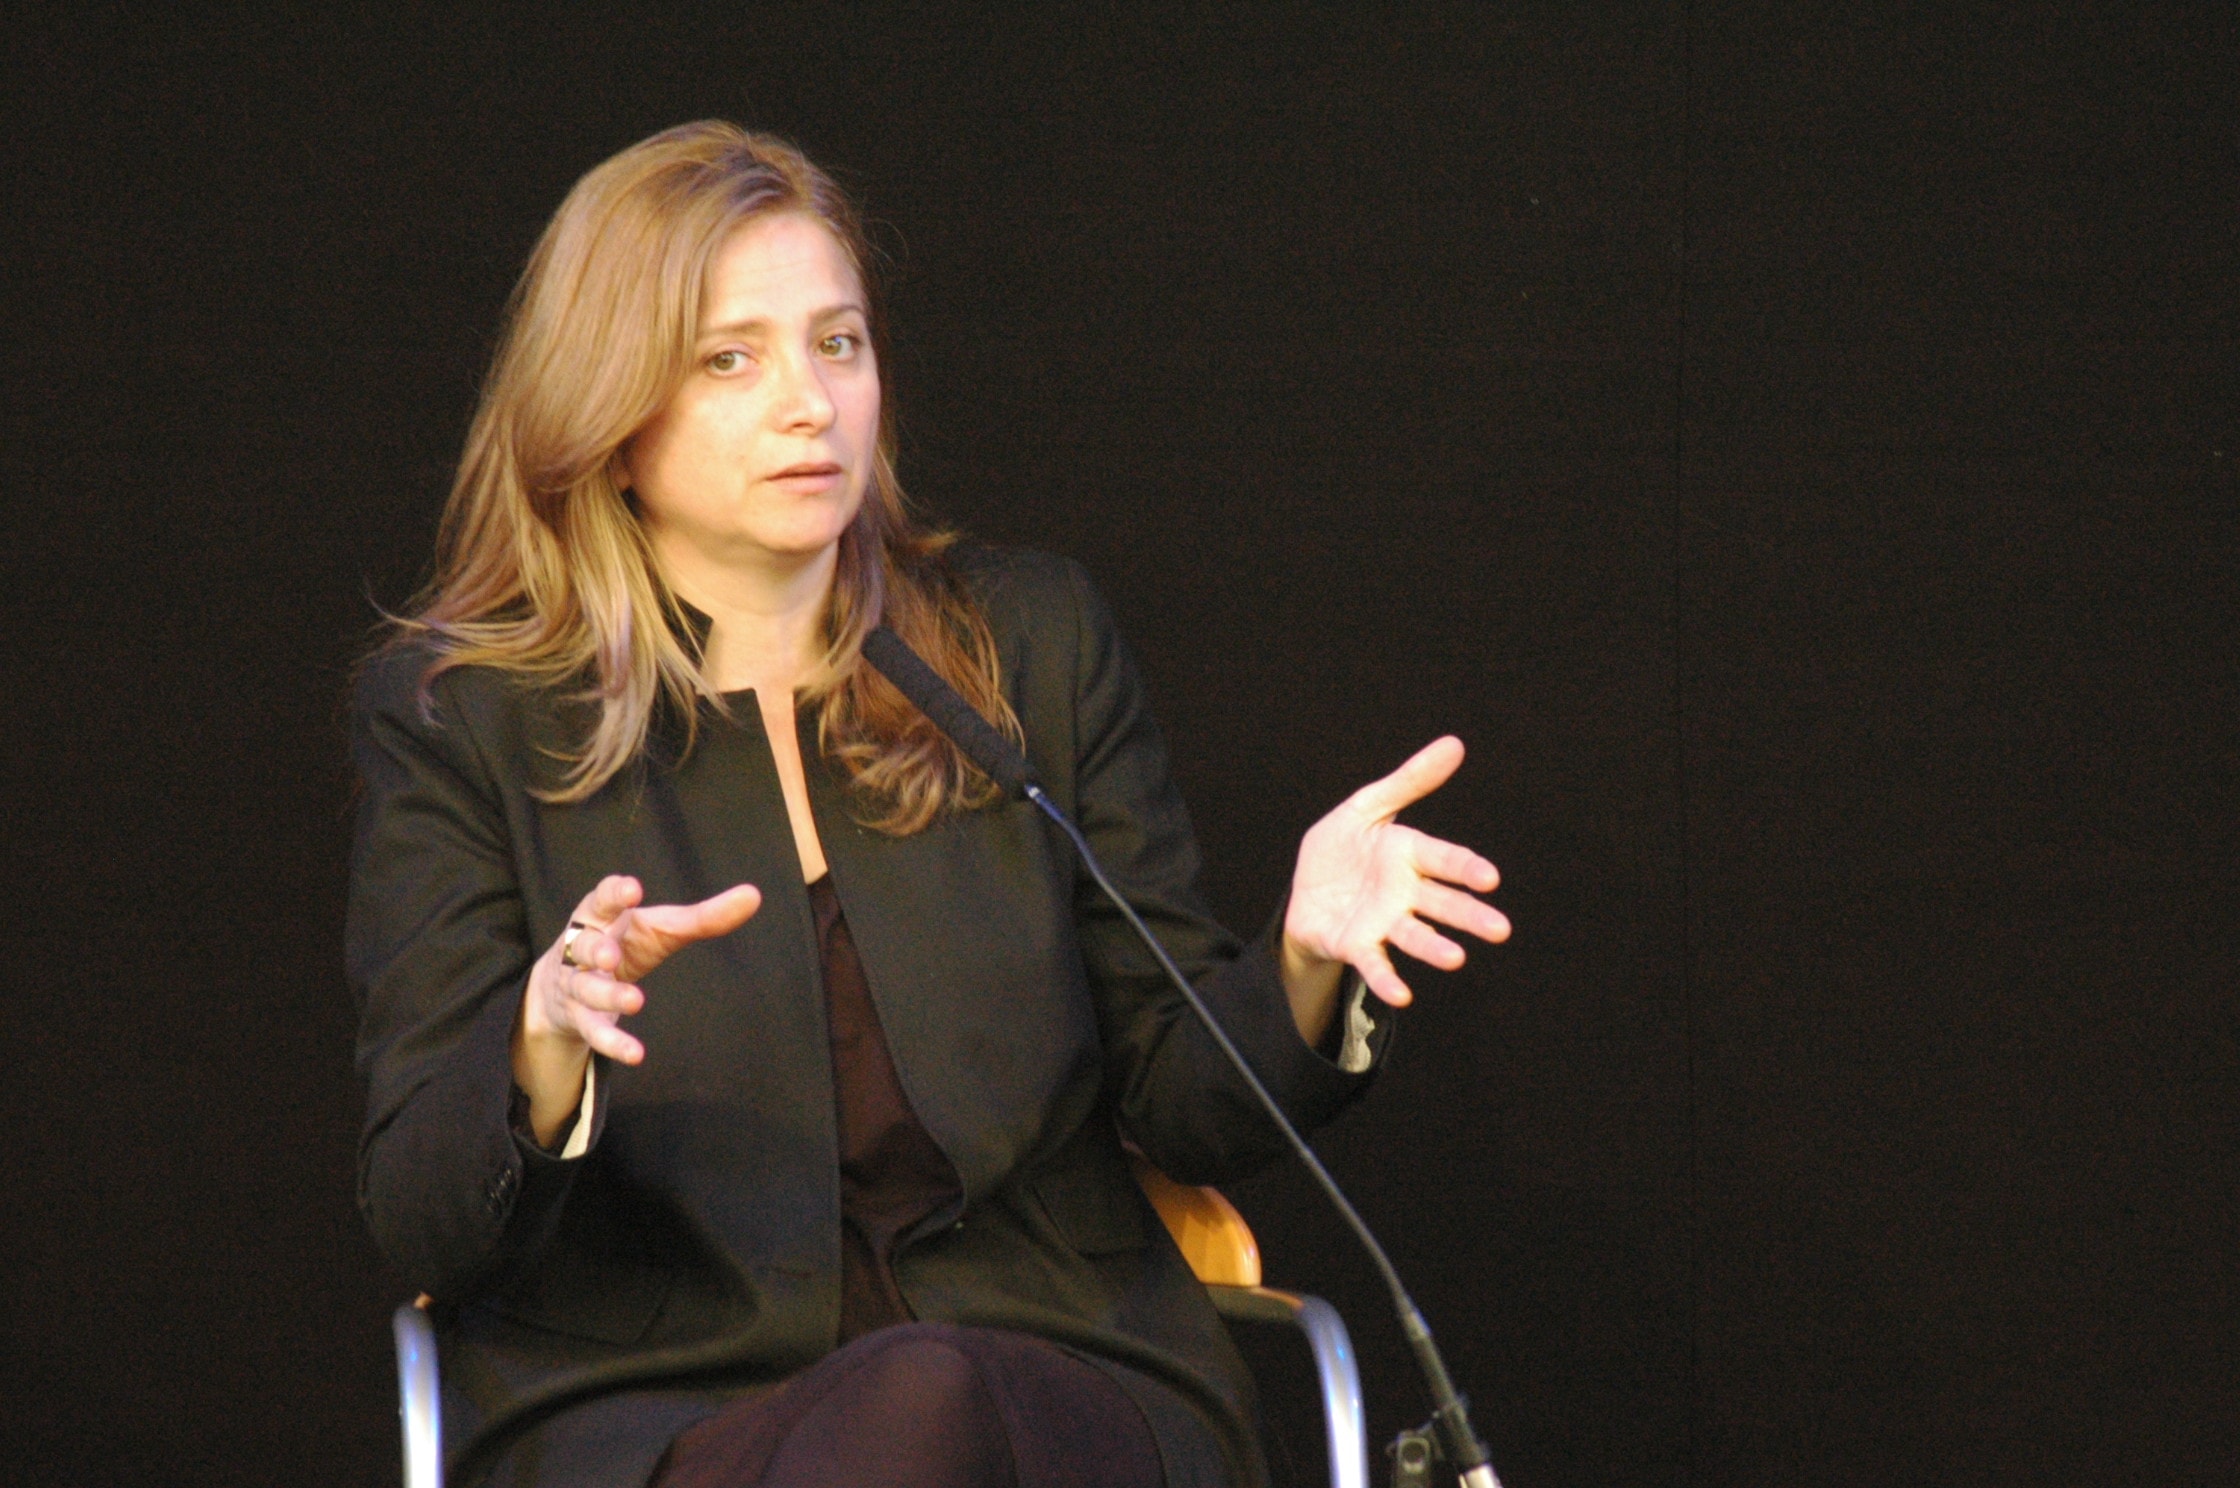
[
  {"x": 1450, "y": 1412},
  {"x": 1008, "y": 767}
]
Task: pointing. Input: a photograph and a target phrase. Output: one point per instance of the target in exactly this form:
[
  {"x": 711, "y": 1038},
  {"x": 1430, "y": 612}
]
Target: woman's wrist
[
  {"x": 549, "y": 1069},
  {"x": 1311, "y": 983}
]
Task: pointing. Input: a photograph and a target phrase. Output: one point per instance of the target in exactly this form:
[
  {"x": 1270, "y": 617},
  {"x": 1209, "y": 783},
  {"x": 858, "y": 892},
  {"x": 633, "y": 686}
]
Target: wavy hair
[{"x": 542, "y": 568}]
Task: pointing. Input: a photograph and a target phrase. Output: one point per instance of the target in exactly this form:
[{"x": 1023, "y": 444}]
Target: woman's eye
[
  {"x": 840, "y": 344},
  {"x": 727, "y": 361}
]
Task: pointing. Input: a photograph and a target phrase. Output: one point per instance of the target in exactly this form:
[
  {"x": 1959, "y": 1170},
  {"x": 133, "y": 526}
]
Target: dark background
[{"x": 1792, "y": 444}]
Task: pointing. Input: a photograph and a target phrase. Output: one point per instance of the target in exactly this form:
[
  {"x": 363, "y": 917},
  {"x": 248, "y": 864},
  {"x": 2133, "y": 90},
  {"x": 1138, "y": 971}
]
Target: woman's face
[{"x": 764, "y": 453}]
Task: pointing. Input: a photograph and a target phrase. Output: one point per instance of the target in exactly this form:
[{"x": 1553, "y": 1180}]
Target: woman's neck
[{"x": 768, "y": 629}]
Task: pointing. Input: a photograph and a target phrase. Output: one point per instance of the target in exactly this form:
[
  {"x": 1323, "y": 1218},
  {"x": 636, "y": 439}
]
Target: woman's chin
[
  {"x": 786, "y": 538},
  {"x": 793, "y": 544},
  {"x": 808, "y": 525}
]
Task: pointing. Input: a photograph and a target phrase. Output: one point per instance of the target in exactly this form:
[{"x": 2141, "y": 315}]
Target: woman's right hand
[{"x": 572, "y": 1010}]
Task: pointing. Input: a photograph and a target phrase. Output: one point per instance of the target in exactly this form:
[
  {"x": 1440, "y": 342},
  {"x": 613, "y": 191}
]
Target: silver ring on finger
[{"x": 568, "y": 945}]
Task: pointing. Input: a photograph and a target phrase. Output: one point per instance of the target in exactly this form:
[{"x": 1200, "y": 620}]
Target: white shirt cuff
[
  {"x": 579, "y": 1140},
  {"x": 1353, "y": 1050}
]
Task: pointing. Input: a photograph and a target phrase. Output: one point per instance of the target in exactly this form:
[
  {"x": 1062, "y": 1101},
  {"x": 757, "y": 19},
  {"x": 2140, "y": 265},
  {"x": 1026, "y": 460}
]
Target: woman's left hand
[{"x": 1365, "y": 882}]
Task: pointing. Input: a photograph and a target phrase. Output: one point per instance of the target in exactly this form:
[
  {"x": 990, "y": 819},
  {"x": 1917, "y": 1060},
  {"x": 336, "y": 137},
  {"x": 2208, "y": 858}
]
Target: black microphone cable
[{"x": 1009, "y": 769}]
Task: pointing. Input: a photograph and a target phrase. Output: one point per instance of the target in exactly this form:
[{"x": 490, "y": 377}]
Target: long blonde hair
[{"x": 542, "y": 567}]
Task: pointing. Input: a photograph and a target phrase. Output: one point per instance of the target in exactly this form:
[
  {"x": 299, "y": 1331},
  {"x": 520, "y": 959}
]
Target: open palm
[{"x": 1364, "y": 882}]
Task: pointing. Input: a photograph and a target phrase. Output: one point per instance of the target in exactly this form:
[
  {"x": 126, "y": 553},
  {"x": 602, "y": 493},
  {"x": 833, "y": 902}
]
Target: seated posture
[{"x": 748, "y": 1078}]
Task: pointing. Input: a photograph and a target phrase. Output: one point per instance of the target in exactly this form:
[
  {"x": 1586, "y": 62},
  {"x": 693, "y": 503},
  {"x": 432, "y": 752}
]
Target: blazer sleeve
[
  {"x": 1178, "y": 1097},
  {"x": 438, "y": 959}
]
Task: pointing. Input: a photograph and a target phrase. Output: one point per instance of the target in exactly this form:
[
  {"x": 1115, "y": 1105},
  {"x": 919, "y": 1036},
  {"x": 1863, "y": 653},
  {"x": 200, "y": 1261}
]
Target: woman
[{"x": 748, "y": 1081}]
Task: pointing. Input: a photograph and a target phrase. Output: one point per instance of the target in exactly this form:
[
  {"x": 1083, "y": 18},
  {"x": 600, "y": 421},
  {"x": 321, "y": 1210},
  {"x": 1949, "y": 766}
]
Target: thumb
[
  {"x": 659, "y": 931},
  {"x": 1424, "y": 772},
  {"x": 718, "y": 914}
]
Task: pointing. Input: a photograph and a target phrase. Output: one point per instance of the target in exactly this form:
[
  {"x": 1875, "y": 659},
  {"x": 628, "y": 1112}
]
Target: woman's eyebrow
[{"x": 762, "y": 323}]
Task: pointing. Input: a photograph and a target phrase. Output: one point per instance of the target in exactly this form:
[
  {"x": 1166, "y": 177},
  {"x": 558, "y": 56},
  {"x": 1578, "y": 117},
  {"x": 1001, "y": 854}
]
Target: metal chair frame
[
  {"x": 1343, "y": 1423},
  {"x": 1212, "y": 1235}
]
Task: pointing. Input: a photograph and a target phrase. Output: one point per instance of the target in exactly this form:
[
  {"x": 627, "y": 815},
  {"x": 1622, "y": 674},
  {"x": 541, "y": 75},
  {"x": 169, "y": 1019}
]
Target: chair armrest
[
  {"x": 418, "y": 1402},
  {"x": 1333, "y": 1362}
]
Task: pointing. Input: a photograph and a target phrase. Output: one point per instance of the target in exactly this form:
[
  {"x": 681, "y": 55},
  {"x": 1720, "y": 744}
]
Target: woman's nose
[{"x": 803, "y": 399}]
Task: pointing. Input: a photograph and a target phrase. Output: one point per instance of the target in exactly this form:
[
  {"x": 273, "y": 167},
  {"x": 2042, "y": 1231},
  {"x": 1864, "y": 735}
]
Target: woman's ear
[{"x": 618, "y": 469}]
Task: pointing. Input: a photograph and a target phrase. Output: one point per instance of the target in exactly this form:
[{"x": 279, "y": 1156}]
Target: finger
[
  {"x": 602, "y": 912},
  {"x": 1426, "y": 944},
  {"x": 1376, "y": 970},
  {"x": 607, "y": 1039},
  {"x": 594, "y": 1003},
  {"x": 594, "y": 947},
  {"x": 602, "y": 993},
  {"x": 608, "y": 899},
  {"x": 1436, "y": 901},
  {"x": 1451, "y": 861},
  {"x": 1424, "y": 772}
]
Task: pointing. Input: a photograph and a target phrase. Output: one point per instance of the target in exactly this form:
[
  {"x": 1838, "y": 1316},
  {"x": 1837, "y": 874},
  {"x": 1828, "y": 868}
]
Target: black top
[{"x": 891, "y": 1174}]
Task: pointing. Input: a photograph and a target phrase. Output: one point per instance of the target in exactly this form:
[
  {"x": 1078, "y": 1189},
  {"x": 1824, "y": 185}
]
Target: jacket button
[{"x": 499, "y": 1190}]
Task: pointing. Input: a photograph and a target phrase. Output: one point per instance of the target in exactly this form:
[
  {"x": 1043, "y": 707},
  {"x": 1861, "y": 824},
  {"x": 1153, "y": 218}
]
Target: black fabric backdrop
[{"x": 1793, "y": 445}]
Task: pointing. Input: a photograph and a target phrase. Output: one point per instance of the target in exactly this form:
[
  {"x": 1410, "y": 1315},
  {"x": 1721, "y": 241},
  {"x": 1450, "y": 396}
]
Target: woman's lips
[{"x": 807, "y": 479}]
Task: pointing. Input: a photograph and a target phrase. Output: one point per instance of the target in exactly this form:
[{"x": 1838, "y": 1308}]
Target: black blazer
[{"x": 589, "y": 1309}]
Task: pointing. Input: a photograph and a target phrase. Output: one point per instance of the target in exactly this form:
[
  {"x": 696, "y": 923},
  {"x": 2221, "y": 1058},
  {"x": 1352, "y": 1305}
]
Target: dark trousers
[{"x": 927, "y": 1405}]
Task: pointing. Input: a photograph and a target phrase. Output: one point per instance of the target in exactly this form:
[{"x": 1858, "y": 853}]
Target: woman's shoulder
[
  {"x": 393, "y": 678},
  {"x": 990, "y": 568},
  {"x": 481, "y": 723},
  {"x": 409, "y": 681},
  {"x": 1027, "y": 592}
]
